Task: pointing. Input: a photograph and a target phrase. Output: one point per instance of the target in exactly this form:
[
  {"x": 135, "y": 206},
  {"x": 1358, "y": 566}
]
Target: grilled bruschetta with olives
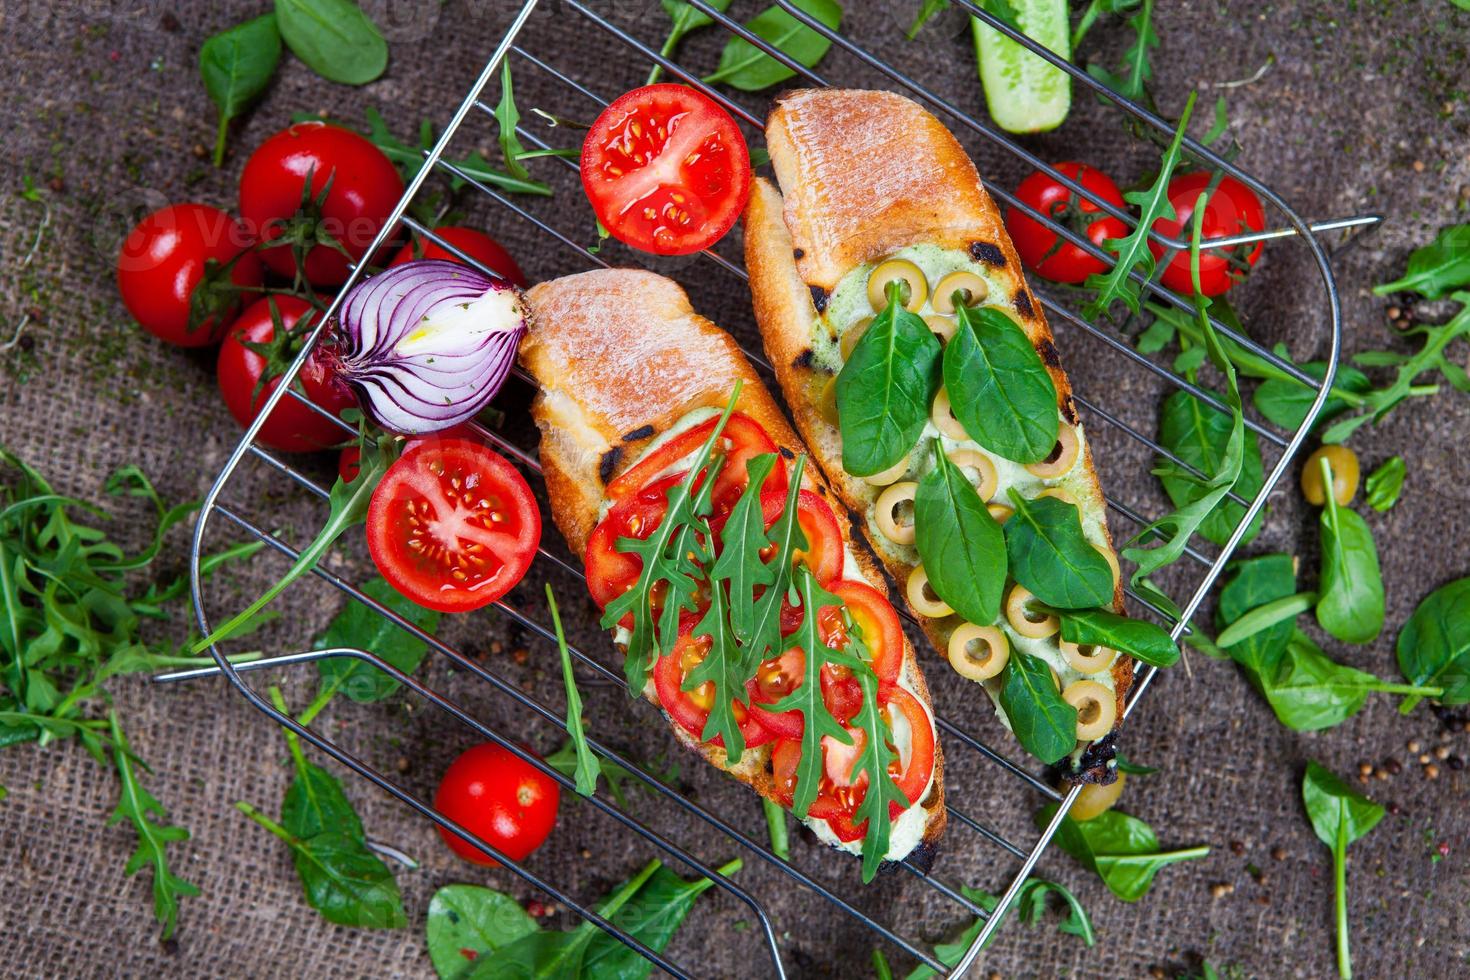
[
  {"x": 743, "y": 607},
  {"x": 921, "y": 372}
]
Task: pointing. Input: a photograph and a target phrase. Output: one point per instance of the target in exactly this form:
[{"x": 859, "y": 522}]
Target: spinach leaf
[
  {"x": 654, "y": 915},
  {"x": 1437, "y": 268},
  {"x": 1044, "y": 724},
  {"x": 316, "y": 803},
  {"x": 587, "y": 766},
  {"x": 142, "y": 809},
  {"x": 1351, "y": 603},
  {"x": 1133, "y": 249},
  {"x": 1255, "y": 582},
  {"x": 1141, "y": 640},
  {"x": 343, "y": 880},
  {"x": 1386, "y": 483},
  {"x": 885, "y": 389},
  {"x": 998, "y": 388},
  {"x": 961, "y": 545},
  {"x": 361, "y": 628},
  {"x": 1434, "y": 645},
  {"x": 1309, "y": 691},
  {"x": 465, "y": 922},
  {"x": 748, "y": 68},
  {"x": 1031, "y": 907},
  {"x": 1263, "y": 617},
  {"x": 335, "y": 38},
  {"x": 685, "y": 19},
  {"x": 1121, "y": 850},
  {"x": 1200, "y": 435},
  {"x": 552, "y": 954},
  {"x": 1051, "y": 556},
  {"x": 236, "y": 66},
  {"x": 1339, "y": 816},
  {"x": 1284, "y": 400}
]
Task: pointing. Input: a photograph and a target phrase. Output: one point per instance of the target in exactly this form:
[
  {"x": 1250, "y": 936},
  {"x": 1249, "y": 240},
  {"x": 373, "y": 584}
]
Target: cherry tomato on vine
[
  {"x": 250, "y": 364},
  {"x": 666, "y": 169},
  {"x": 476, "y": 244},
  {"x": 1232, "y": 209},
  {"x": 353, "y": 189},
  {"x": 452, "y": 525},
  {"x": 1042, "y": 249},
  {"x": 500, "y": 798},
  {"x": 172, "y": 273}
]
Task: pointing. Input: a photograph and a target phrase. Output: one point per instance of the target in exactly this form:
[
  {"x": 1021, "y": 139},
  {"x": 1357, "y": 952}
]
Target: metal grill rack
[{"x": 870, "y": 70}]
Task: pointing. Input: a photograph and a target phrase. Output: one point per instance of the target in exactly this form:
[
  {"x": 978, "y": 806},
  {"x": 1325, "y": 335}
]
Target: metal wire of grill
[{"x": 511, "y": 44}]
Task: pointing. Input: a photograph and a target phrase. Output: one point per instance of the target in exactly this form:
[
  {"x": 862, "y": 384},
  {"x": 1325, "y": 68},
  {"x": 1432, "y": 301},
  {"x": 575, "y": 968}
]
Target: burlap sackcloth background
[{"x": 1361, "y": 109}]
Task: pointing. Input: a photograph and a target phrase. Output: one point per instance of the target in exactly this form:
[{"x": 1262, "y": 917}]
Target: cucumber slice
[{"x": 1023, "y": 92}]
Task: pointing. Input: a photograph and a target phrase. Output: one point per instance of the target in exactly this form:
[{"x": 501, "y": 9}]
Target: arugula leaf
[
  {"x": 343, "y": 880},
  {"x": 1138, "y": 638},
  {"x": 665, "y": 559},
  {"x": 685, "y": 19},
  {"x": 334, "y": 37},
  {"x": 776, "y": 827},
  {"x": 885, "y": 389},
  {"x": 807, "y": 696},
  {"x": 1133, "y": 768},
  {"x": 1433, "y": 647},
  {"x": 1031, "y": 907},
  {"x": 361, "y": 628},
  {"x": 741, "y": 540},
  {"x": 1121, "y": 850},
  {"x": 140, "y": 808},
  {"x": 746, "y": 67},
  {"x": 348, "y": 504},
  {"x": 1200, "y": 435},
  {"x": 587, "y": 765},
  {"x": 410, "y": 159},
  {"x": 1052, "y": 558},
  {"x": 507, "y": 117},
  {"x": 465, "y": 922},
  {"x": 1351, "y": 606},
  {"x": 1132, "y": 78},
  {"x": 1339, "y": 816},
  {"x": 999, "y": 389},
  {"x": 1386, "y": 483},
  {"x": 550, "y": 955},
  {"x": 787, "y": 537},
  {"x": 1435, "y": 269},
  {"x": 1132, "y": 250},
  {"x": 564, "y": 760},
  {"x": 927, "y": 9},
  {"x": 1044, "y": 723},
  {"x": 724, "y": 669},
  {"x": 236, "y": 65},
  {"x": 962, "y": 547},
  {"x": 874, "y": 757}
]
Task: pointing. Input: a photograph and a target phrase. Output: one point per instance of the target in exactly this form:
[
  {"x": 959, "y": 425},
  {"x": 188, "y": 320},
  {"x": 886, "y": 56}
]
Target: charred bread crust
[
  {"x": 866, "y": 174},
  {"x": 620, "y": 353}
]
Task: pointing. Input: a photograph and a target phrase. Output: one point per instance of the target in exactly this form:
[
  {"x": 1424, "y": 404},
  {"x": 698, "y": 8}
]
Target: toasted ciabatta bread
[
  {"x": 865, "y": 175},
  {"x": 620, "y": 357}
]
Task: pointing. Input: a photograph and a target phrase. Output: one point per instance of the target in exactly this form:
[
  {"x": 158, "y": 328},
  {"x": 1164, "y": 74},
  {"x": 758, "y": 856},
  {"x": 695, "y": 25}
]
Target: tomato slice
[
  {"x": 452, "y": 525},
  {"x": 779, "y": 676},
  {"x": 785, "y": 758},
  {"x": 666, "y": 169},
  {"x": 610, "y": 572},
  {"x": 875, "y": 616},
  {"x": 914, "y": 771},
  {"x": 691, "y": 708},
  {"x": 741, "y": 439},
  {"x": 824, "y": 550}
]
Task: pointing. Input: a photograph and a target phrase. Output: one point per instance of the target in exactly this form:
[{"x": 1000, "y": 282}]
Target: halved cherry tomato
[
  {"x": 666, "y": 169},
  {"x": 1232, "y": 209},
  {"x": 779, "y": 676},
  {"x": 610, "y": 572},
  {"x": 873, "y": 614},
  {"x": 452, "y": 525},
  {"x": 691, "y": 708},
  {"x": 919, "y": 766},
  {"x": 476, "y": 244},
  {"x": 785, "y": 758},
  {"x": 1043, "y": 249},
  {"x": 741, "y": 439}
]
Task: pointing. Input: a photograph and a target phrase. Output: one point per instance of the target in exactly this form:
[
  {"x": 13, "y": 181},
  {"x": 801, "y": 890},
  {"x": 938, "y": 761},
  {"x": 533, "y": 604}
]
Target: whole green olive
[{"x": 1344, "y": 463}]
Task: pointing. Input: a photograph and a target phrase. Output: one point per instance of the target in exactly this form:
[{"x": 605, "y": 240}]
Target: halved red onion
[{"x": 427, "y": 344}]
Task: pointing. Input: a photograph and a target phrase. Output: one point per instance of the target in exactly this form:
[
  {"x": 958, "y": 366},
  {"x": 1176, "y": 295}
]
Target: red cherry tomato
[
  {"x": 501, "y": 799},
  {"x": 915, "y": 770},
  {"x": 171, "y": 273},
  {"x": 292, "y": 426},
  {"x": 691, "y": 708},
  {"x": 1232, "y": 209},
  {"x": 1042, "y": 249},
  {"x": 349, "y": 463},
  {"x": 875, "y": 616},
  {"x": 824, "y": 545},
  {"x": 666, "y": 169},
  {"x": 452, "y": 525},
  {"x": 476, "y": 244},
  {"x": 365, "y": 186}
]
